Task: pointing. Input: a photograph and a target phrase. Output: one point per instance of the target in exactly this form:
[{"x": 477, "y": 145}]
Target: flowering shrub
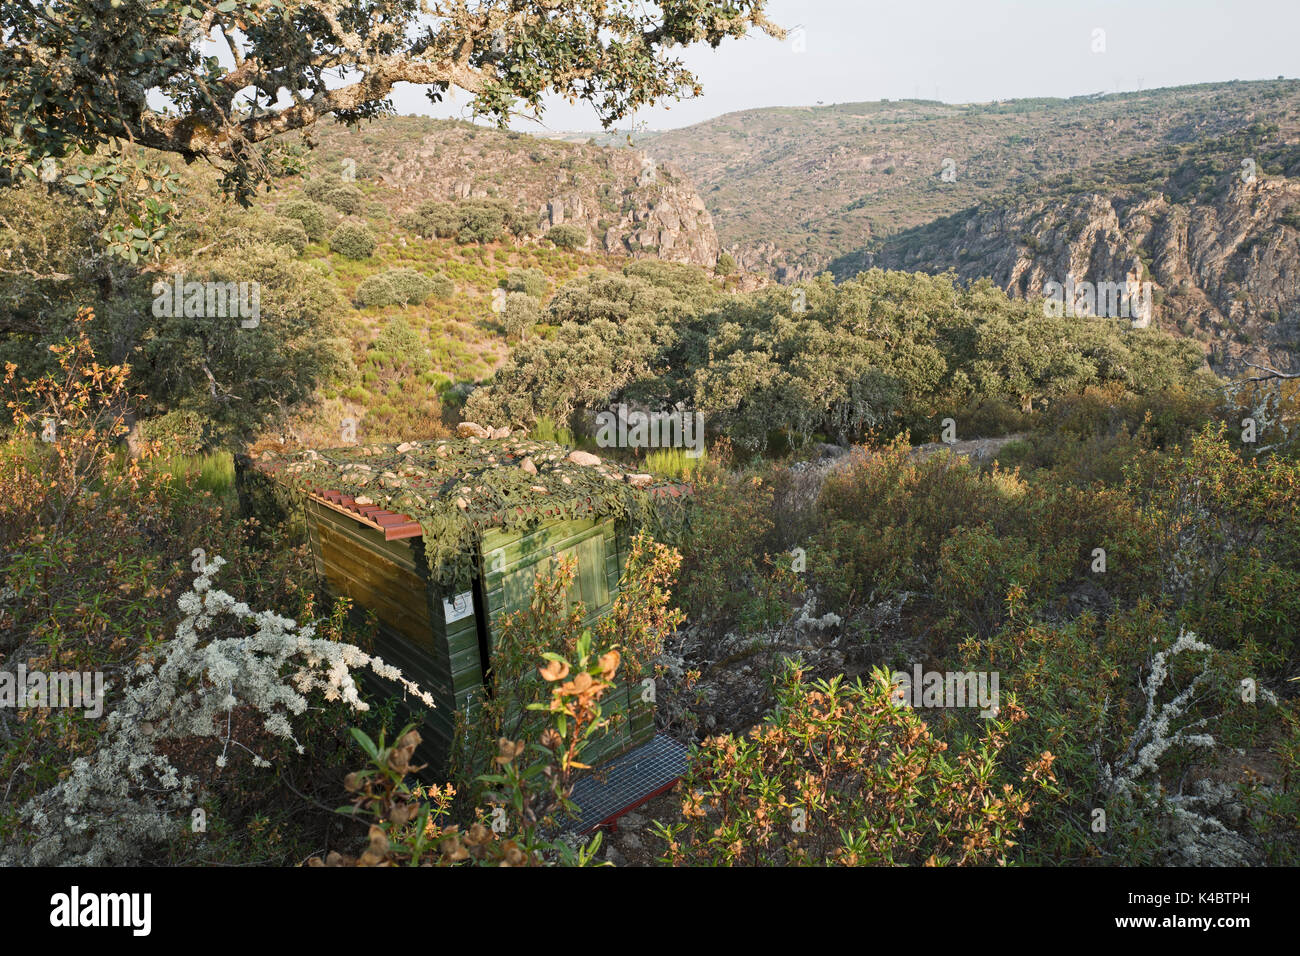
[
  {"x": 79, "y": 413},
  {"x": 1127, "y": 705},
  {"x": 95, "y": 547},
  {"x": 129, "y": 794},
  {"x": 1133, "y": 781},
  {"x": 530, "y": 795},
  {"x": 841, "y": 774}
]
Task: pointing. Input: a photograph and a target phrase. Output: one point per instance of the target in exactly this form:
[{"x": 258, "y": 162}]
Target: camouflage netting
[{"x": 459, "y": 488}]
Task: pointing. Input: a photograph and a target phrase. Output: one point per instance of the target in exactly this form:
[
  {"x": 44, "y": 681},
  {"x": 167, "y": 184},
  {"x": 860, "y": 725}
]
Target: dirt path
[{"x": 976, "y": 449}]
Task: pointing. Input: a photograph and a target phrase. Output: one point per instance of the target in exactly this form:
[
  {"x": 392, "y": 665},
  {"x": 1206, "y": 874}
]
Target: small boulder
[
  {"x": 472, "y": 430},
  {"x": 640, "y": 481},
  {"x": 500, "y": 433},
  {"x": 528, "y": 466},
  {"x": 583, "y": 458}
]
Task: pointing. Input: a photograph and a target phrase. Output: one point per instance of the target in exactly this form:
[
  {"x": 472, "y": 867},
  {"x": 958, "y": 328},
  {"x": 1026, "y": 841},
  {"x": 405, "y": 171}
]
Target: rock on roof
[{"x": 455, "y": 489}]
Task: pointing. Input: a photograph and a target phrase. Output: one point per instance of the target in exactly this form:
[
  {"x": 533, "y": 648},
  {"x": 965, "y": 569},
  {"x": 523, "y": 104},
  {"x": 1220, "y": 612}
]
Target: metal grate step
[{"x": 614, "y": 788}]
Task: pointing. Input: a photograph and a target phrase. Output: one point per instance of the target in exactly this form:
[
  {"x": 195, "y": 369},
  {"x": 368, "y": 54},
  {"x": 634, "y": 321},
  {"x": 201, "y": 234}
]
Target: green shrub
[
  {"x": 180, "y": 432},
  {"x": 567, "y": 236},
  {"x": 401, "y": 287},
  {"x": 395, "y": 287},
  {"x": 481, "y": 221},
  {"x": 410, "y": 287},
  {"x": 375, "y": 291},
  {"x": 289, "y": 232},
  {"x": 313, "y": 217},
  {"x": 990, "y": 417},
  {"x": 528, "y": 281},
  {"x": 346, "y": 198},
  {"x": 726, "y": 264},
  {"x": 443, "y": 287},
  {"x": 886, "y": 519},
  {"x": 434, "y": 218},
  {"x": 840, "y": 774},
  {"x": 468, "y": 221},
  {"x": 520, "y": 313},
  {"x": 399, "y": 340},
  {"x": 353, "y": 241},
  {"x": 316, "y": 189},
  {"x": 729, "y": 578}
]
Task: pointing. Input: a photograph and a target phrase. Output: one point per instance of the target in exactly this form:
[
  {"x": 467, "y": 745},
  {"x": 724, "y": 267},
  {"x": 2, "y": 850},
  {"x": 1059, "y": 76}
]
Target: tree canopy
[
  {"x": 220, "y": 81},
  {"x": 885, "y": 348}
]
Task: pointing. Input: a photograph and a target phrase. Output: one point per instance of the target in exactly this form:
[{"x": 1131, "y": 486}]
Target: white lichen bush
[
  {"x": 1196, "y": 834},
  {"x": 126, "y": 797},
  {"x": 806, "y": 621}
]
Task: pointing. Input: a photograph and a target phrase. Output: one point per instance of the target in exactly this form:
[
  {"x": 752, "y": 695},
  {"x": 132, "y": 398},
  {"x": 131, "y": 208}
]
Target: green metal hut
[{"x": 443, "y": 539}]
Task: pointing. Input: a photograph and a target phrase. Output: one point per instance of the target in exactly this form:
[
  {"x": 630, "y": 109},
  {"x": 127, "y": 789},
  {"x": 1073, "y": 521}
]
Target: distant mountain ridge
[
  {"x": 792, "y": 189},
  {"x": 1214, "y": 228}
]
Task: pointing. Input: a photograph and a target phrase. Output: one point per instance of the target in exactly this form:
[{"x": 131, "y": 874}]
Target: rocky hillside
[
  {"x": 1215, "y": 229},
  {"x": 628, "y": 203},
  {"x": 793, "y": 189}
]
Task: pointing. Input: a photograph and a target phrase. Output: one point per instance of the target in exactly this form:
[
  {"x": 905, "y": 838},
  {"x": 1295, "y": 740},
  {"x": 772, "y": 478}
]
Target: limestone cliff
[{"x": 1223, "y": 259}]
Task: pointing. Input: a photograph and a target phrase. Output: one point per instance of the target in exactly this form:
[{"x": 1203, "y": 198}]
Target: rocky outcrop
[
  {"x": 628, "y": 201},
  {"x": 660, "y": 213},
  {"x": 793, "y": 188},
  {"x": 1224, "y": 269}
]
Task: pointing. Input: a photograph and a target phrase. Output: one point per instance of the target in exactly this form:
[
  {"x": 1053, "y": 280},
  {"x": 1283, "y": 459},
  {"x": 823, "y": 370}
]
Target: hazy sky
[{"x": 965, "y": 51}]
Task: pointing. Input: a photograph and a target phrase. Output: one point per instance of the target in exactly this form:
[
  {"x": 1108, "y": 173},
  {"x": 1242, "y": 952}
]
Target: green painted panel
[
  {"x": 516, "y": 544},
  {"x": 401, "y": 552},
  {"x": 499, "y": 561},
  {"x": 390, "y": 579},
  {"x": 591, "y": 586}
]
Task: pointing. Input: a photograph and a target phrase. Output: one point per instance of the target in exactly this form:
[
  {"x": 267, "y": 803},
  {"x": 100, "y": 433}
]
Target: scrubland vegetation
[
  {"x": 904, "y": 473},
  {"x": 1153, "y": 684}
]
